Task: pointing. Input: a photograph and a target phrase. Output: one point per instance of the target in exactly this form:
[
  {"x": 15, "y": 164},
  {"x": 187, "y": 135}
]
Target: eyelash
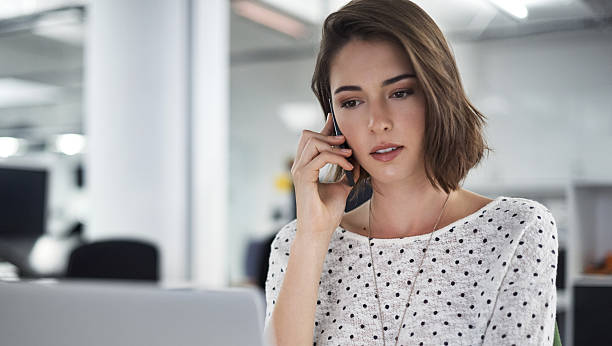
[
  {"x": 406, "y": 92},
  {"x": 345, "y": 104}
]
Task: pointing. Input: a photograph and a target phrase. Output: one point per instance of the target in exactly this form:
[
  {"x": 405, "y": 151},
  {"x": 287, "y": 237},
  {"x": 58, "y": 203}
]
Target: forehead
[{"x": 361, "y": 62}]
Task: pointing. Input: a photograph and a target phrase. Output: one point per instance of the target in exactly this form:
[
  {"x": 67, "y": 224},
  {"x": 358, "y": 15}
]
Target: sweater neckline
[{"x": 420, "y": 237}]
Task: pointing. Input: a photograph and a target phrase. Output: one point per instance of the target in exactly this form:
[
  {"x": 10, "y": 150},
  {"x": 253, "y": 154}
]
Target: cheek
[
  {"x": 352, "y": 133},
  {"x": 357, "y": 139},
  {"x": 412, "y": 126},
  {"x": 409, "y": 118}
]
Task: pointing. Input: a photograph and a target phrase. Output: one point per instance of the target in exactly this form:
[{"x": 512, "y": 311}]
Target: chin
[{"x": 389, "y": 175}]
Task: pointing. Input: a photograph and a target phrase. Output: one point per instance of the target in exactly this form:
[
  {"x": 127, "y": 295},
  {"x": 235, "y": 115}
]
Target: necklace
[{"x": 413, "y": 280}]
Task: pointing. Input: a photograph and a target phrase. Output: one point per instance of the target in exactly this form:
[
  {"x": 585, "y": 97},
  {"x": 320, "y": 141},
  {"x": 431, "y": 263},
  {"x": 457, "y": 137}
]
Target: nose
[{"x": 379, "y": 121}]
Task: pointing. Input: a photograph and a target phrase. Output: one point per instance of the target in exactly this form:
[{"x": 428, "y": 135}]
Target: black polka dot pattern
[{"x": 488, "y": 278}]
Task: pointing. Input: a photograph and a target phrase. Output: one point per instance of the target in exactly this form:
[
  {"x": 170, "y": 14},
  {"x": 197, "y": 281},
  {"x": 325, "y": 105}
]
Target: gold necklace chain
[{"x": 413, "y": 280}]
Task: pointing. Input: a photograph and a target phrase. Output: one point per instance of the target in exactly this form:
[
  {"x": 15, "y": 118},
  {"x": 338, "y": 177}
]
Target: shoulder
[
  {"x": 532, "y": 218},
  {"x": 524, "y": 209},
  {"x": 512, "y": 213},
  {"x": 280, "y": 249},
  {"x": 284, "y": 237}
]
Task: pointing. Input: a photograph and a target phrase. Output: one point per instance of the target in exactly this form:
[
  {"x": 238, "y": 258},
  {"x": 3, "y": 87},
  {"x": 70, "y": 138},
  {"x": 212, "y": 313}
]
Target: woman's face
[{"x": 377, "y": 100}]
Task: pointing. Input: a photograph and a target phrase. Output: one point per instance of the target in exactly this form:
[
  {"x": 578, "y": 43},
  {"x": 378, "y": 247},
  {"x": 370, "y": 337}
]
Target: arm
[
  {"x": 290, "y": 314},
  {"x": 292, "y": 288},
  {"x": 525, "y": 309}
]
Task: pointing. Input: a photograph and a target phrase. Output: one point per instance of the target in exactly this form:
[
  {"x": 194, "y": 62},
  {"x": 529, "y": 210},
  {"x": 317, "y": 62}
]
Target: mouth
[
  {"x": 384, "y": 147},
  {"x": 387, "y": 154}
]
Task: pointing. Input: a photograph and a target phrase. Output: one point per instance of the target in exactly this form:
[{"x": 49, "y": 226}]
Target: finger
[
  {"x": 312, "y": 169},
  {"x": 326, "y": 132},
  {"x": 328, "y": 157},
  {"x": 344, "y": 178},
  {"x": 316, "y": 146},
  {"x": 356, "y": 171},
  {"x": 328, "y": 129},
  {"x": 307, "y": 135}
]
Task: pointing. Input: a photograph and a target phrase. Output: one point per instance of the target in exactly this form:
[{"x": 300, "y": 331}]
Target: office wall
[
  {"x": 549, "y": 106},
  {"x": 260, "y": 144}
]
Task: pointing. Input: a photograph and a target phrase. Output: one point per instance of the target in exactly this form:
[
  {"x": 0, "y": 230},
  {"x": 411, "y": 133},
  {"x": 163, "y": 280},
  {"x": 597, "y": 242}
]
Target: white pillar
[
  {"x": 151, "y": 171},
  {"x": 210, "y": 141}
]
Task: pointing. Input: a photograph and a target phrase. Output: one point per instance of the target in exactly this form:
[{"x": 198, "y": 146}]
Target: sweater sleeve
[
  {"x": 525, "y": 309},
  {"x": 277, "y": 265}
]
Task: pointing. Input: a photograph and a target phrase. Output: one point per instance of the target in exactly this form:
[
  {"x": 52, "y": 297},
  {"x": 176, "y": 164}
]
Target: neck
[{"x": 404, "y": 210}]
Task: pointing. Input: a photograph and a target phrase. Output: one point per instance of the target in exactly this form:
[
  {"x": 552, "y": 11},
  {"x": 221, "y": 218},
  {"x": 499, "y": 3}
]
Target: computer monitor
[{"x": 23, "y": 201}]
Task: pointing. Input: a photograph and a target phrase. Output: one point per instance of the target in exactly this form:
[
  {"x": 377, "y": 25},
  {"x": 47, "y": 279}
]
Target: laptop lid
[{"x": 102, "y": 313}]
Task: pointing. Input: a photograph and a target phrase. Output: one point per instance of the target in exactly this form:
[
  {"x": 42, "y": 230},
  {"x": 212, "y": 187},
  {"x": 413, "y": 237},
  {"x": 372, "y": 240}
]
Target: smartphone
[{"x": 337, "y": 132}]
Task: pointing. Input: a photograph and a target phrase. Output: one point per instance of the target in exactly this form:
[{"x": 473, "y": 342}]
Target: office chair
[
  {"x": 557, "y": 340},
  {"x": 115, "y": 259}
]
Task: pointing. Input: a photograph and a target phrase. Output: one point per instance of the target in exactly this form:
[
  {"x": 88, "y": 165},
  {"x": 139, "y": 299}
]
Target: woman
[{"x": 424, "y": 261}]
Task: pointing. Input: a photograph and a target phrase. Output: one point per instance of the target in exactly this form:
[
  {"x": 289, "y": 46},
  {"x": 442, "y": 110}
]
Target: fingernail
[
  {"x": 345, "y": 150},
  {"x": 341, "y": 136}
]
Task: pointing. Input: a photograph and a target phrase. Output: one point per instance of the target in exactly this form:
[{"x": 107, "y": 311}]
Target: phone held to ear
[{"x": 337, "y": 132}]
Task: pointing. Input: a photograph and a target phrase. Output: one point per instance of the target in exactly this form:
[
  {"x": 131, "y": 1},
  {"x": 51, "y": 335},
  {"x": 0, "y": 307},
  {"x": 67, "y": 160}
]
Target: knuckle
[
  {"x": 312, "y": 141},
  {"x": 329, "y": 156},
  {"x": 296, "y": 175}
]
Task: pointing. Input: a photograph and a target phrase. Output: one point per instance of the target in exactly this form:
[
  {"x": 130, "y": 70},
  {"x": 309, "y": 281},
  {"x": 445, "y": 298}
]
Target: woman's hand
[{"x": 320, "y": 206}]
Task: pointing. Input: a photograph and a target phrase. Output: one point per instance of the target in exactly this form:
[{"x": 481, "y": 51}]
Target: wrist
[{"x": 314, "y": 241}]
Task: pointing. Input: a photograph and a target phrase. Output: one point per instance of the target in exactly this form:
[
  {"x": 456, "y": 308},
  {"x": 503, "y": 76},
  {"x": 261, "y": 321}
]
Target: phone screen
[{"x": 344, "y": 145}]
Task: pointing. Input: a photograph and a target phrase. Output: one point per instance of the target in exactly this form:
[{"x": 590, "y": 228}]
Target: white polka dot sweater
[{"x": 486, "y": 279}]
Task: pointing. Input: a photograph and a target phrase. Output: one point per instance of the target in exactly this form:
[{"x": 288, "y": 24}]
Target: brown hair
[{"x": 453, "y": 141}]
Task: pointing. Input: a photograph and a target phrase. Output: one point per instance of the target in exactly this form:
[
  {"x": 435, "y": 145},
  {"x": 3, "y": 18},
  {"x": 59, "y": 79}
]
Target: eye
[
  {"x": 400, "y": 94},
  {"x": 350, "y": 104}
]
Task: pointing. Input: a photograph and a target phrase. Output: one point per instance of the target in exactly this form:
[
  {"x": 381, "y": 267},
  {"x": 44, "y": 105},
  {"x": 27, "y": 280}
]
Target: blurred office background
[{"x": 165, "y": 130}]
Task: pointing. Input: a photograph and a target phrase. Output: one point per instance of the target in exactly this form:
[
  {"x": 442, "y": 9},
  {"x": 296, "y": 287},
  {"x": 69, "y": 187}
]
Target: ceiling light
[
  {"x": 272, "y": 19},
  {"x": 10, "y": 9},
  {"x": 310, "y": 11},
  {"x": 515, "y": 8},
  {"x": 70, "y": 144},
  {"x": 65, "y": 26},
  {"x": 17, "y": 8},
  {"x": 9, "y": 146}
]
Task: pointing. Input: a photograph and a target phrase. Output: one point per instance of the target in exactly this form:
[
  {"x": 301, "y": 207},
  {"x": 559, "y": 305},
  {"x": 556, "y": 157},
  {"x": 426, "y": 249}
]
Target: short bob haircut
[{"x": 453, "y": 142}]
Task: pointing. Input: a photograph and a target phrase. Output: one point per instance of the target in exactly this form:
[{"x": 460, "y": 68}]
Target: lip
[
  {"x": 387, "y": 156},
  {"x": 384, "y": 146}
]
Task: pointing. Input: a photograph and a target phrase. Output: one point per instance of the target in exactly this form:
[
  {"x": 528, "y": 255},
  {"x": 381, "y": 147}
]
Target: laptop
[{"x": 112, "y": 313}]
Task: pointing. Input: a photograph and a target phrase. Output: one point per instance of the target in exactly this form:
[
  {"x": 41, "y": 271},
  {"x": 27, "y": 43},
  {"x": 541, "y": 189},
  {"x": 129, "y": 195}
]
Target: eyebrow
[{"x": 384, "y": 83}]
